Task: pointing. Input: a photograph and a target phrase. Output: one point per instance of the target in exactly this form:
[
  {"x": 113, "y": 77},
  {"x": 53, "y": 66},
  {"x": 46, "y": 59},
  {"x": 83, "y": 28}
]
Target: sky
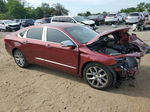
[{"x": 94, "y": 6}]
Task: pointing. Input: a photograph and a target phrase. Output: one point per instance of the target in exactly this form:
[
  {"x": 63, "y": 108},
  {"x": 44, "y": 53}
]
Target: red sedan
[{"x": 101, "y": 59}]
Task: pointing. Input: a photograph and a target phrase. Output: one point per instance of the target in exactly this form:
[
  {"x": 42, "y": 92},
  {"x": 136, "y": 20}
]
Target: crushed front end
[{"x": 126, "y": 67}]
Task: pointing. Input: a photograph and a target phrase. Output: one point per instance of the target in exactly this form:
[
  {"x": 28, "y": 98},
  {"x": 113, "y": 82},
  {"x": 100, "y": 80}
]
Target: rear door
[{"x": 33, "y": 43}]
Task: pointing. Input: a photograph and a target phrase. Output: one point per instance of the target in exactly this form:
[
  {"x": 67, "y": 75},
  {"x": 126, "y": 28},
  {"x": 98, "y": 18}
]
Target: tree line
[
  {"x": 139, "y": 8},
  {"x": 18, "y": 9}
]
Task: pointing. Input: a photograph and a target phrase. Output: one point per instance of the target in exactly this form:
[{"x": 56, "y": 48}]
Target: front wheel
[
  {"x": 20, "y": 59},
  {"x": 97, "y": 76}
]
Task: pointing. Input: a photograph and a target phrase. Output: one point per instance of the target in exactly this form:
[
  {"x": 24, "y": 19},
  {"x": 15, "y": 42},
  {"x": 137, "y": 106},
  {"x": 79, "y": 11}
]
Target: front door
[{"x": 64, "y": 58}]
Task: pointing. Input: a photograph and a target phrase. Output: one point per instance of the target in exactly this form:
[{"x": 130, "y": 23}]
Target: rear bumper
[
  {"x": 111, "y": 20},
  {"x": 131, "y": 22}
]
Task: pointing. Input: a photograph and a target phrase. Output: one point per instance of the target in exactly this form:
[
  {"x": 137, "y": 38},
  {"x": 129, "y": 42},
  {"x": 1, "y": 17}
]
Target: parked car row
[
  {"x": 90, "y": 21},
  {"x": 112, "y": 18}
]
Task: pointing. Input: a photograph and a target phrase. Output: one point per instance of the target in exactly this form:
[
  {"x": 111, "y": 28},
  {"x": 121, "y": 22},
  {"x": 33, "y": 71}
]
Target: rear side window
[
  {"x": 35, "y": 33},
  {"x": 111, "y": 15},
  {"x": 134, "y": 14},
  {"x": 56, "y": 36},
  {"x": 22, "y": 33},
  {"x": 56, "y": 19},
  {"x": 67, "y": 19},
  {"x": 63, "y": 19}
]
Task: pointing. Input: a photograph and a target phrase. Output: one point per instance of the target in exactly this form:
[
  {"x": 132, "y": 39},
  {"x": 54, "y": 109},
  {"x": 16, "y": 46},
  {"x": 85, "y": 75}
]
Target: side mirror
[{"x": 67, "y": 43}]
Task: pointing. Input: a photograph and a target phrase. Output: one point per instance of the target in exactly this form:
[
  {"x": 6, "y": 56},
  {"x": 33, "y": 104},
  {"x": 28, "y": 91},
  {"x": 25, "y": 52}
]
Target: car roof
[
  {"x": 58, "y": 25},
  {"x": 61, "y": 16},
  {"x": 65, "y": 16}
]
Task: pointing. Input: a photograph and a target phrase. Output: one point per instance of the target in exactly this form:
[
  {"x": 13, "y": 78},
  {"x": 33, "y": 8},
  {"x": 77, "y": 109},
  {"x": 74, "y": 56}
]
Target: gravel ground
[{"x": 41, "y": 89}]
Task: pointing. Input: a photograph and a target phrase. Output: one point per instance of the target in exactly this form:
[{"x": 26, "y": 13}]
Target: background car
[
  {"x": 9, "y": 25},
  {"x": 76, "y": 19},
  {"x": 142, "y": 16},
  {"x": 133, "y": 17},
  {"x": 42, "y": 21},
  {"x": 124, "y": 15},
  {"x": 27, "y": 22},
  {"x": 99, "y": 19},
  {"x": 113, "y": 18}
]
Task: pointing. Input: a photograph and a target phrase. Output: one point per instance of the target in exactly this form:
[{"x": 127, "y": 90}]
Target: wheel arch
[
  {"x": 109, "y": 68},
  {"x": 13, "y": 50},
  {"x": 85, "y": 64}
]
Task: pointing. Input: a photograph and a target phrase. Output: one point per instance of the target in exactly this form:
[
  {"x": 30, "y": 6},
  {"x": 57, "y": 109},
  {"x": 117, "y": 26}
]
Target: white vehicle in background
[
  {"x": 9, "y": 25},
  {"x": 113, "y": 18},
  {"x": 146, "y": 14},
  {"x": 124, "y": 15},
  {"x": 76, "y": 19},
  {"x": 142, "y": 15},
  {"x": 133, "y": 17}
]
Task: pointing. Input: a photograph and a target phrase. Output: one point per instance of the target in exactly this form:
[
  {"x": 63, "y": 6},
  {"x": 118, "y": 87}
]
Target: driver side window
[{"x": 54, "y": 35}]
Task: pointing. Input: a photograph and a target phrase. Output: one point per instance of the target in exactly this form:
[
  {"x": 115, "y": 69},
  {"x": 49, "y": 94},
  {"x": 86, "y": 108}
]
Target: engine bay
[{"x": 114, "y": 44}]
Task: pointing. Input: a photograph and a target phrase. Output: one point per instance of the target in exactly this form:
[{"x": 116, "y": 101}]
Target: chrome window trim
[
  {"x": 53, "y": 62},
  {"x": 18, "y": 34},
  {"x": 61, "y": 32},
  {"x": 25, "y": 36}
]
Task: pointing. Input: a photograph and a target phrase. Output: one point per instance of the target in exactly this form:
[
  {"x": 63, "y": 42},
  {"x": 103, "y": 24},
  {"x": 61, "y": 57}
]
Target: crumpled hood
[{"x": 108, "y": 32}]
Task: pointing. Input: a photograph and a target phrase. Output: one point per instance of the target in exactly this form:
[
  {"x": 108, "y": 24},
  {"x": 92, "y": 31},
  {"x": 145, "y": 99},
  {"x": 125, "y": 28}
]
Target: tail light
[
  {"x": 115, "y": 17},
  {"x": 126, "y": 18}
]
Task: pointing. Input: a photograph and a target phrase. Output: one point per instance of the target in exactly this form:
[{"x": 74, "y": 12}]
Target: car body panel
[{"x": 113, "y": 18}]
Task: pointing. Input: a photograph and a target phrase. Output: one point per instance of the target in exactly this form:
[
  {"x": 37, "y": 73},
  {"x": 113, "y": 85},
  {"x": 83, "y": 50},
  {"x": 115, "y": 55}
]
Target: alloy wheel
[
  {"x": 19, "y": 58},
  {"x": 97, "y": 77}
]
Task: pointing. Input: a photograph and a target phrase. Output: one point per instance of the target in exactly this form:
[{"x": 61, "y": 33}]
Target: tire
[
  {"x": 20, "y": 59},
  {"x": 8, "y": 29},
  {"x": 98, "y": 76}
]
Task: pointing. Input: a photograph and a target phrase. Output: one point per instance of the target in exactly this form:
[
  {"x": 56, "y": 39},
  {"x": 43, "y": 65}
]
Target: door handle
[
  {"x": 25, "y": 42},
  {"x": 48, "y": 45}
]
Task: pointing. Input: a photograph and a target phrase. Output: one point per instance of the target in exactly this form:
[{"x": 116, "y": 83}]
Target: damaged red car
[{"x": 101, "y": 59}]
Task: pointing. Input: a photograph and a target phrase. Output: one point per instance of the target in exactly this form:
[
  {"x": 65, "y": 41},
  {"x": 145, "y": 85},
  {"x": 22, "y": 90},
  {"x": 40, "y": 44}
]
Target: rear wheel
[
  {"x": 20, "y": 58},
  {"x": 97, "y": 76}
]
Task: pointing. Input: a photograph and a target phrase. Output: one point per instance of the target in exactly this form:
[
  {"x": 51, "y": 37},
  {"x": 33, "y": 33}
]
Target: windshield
[
  {"x": 82, "y": 34},
  {"x": 111, "y": 15},
  {"x": 79, "y": 19},
  {"x": 8, "y": 22}
]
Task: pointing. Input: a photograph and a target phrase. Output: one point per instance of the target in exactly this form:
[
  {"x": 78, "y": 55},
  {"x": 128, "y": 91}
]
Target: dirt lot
[{"x": 40, "y": 89}]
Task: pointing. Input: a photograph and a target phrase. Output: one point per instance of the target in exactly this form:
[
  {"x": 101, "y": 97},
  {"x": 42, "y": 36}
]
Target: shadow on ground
[{"x": 140, "y": 87}]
